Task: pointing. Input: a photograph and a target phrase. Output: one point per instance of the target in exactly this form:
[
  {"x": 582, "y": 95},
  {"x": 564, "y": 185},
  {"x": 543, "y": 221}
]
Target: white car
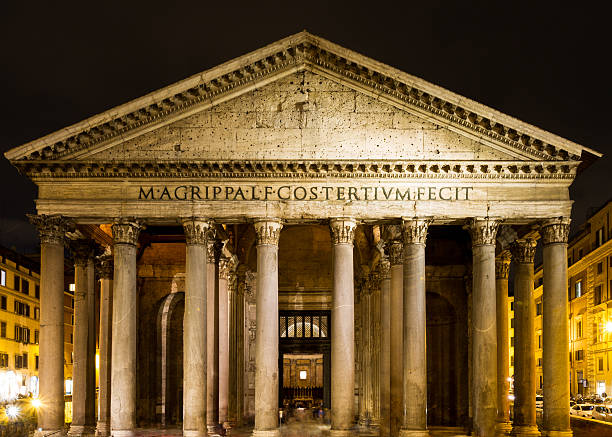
[
  {"x": 601, "y": 412},
  {"x": 582, "y": 410}
]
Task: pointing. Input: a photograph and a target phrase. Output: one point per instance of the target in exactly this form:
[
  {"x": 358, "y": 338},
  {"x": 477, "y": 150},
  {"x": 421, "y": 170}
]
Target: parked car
[
  {"x": 582, "y": 410},
  {"x": 539, "y": 401},
  {"x": 601, "y": 412}
]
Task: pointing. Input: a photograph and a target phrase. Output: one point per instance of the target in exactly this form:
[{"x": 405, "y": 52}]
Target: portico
[{"x": 320, "y": 180}]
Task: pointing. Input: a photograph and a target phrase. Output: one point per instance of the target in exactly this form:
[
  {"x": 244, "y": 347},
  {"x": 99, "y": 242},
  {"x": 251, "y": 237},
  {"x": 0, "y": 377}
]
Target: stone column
[
  {"x": 105, "y": 270},
  {"x": 194, "y": 329},
  {"x": 84, "y": 368},
  {"x": 484, "y": 327},
  {"x": 343, "y": 327},
  {"x": 396, "y": 317},
  {"x": 224, "y": 270},
  {"x": 212, "y": 332},
  {"x": 555, "y": 329},
  {"x": 524, "y": 423},
  {"x": 414, "y": 422},
  {"x": 502, "y": 268},
  {"x": 375, "y": 346},
  {"x": 51, "y": 230},
  {"x": 124, "y": 332},
  {"x": 385, "y": 348},
  {"x": 365, "y": 352},
  {"x": 266, "y": 337}
]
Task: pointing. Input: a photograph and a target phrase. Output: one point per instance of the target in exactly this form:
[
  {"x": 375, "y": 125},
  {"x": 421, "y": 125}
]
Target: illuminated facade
[
  {"x": 20, "y": 326},
  {"x": 302, "y": 182}
]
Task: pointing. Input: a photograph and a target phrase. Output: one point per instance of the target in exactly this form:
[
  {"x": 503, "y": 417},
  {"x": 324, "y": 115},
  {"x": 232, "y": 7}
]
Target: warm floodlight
[
  {"x": 303, "y": 374},
  {"x": 36, "y": 403},
  {"x": 608, "y": 327},
  {"x": 12, "y": 411}
]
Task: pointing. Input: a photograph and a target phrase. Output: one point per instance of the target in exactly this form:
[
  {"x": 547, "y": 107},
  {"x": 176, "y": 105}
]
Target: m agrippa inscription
[{"x": 302, "y": 193}]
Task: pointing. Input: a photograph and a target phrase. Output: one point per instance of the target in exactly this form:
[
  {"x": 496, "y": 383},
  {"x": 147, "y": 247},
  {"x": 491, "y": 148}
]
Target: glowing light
[
  {"x": 98, "y": 361},
  {"x": 511, "y": 397},
  {"x": 36, "y": 403},
  {"x": 608, "y": 326},
  {"x": 12, "y": 411},
  {"x": 303, "y": 374}
]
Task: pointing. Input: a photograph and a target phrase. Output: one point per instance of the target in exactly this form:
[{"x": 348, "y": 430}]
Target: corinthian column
[
  {"x": 106, "y": 309},
  {"x": 224, "y": 271},
  {"x": 484, "y": 327},
  {"x": 194, "y": 329},
  {"x": 524, "y": 423},
  {"x": 84, "y": 370},
  {"x": 343, "y": 327},
  {"x": 385, "y": 348},
  {"x": 212, "y": 331},
  {"x": 52, "y": 230},
  {"x": 266, "y": 335},
  {"x": 502, "y": 267},
  {"x": 396, "y": 317},
  {"x": 123, "y": 361},
  {"x": 414, "y": 422},
  {"x": 555, "y": 330}
]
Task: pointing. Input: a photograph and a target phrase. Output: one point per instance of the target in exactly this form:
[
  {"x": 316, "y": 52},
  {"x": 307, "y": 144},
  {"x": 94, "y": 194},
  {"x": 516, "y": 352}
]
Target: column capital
[
  {"x": 126, "y": 231},
  {"x": 268, "y": 231},
  {"x": 214, "y": 249},
  {"x": 395, "y": 248},
  {"x": 483, "y": 231},
  {"x": 196, "y": 230},
  {"x": 51, "y": 228},
  {"x": 83, "y": 250},
  {"x": 415, "y": 230},
  {"x": 523, "y": 250},
  {"x": 502, "y": 265},
  {"x": 555, "y": 230},
  {"x": 105, "y": 266},
  {"x": 343, "y": 230},
  {"x": 225, "y": 267}
]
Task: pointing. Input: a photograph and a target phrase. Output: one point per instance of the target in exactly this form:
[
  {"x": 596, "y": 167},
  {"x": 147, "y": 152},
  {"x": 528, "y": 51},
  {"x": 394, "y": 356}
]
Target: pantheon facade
[{"x": 303, "y": 225}]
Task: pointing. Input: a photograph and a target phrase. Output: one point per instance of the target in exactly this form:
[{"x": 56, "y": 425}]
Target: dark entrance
[{"x": 304, "y": 358}]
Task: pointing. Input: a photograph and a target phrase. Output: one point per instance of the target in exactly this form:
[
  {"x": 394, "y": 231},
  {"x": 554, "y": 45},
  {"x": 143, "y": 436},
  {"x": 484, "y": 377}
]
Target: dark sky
[{"x": 545, "y": 64}]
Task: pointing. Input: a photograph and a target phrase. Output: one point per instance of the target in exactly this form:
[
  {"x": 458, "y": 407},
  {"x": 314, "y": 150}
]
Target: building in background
[
  {"x": 20, "y": 326},
  {"x": 589, "y": 260}
]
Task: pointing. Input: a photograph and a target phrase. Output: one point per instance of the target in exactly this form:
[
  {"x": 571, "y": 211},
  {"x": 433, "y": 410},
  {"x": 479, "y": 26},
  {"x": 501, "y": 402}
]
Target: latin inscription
[{"x": 301, "y": 193}]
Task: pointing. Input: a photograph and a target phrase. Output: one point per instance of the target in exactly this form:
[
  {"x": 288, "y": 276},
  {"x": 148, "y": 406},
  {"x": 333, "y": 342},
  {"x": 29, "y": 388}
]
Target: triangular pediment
[{"x": 300, "y": 98}]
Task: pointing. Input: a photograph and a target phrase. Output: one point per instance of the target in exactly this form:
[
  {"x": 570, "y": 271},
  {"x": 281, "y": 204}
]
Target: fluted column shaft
[
  {"x": 555, "y": 329},
  {"x": 223, "y": 340},
  {"x": 212, "y": 333},
  {"x": 105, "y": 342},
  {"x": 51, "y": 351},
  {"x": 414, "y": 421},
  {"x": 83, "y": 369},
  {"x": 343, "y": 327},
  {"x": 396, "y": 337},
  {"x": 124, "y": 332},
  {"x": 484, "y": 350},
  {"x": 524, "y": 422},
  {"x": 194, "y": 329},
  {"x": 266, "y": 335},
  {"x": 385, "y": 348},
  {"x": 502, "y": 267}
]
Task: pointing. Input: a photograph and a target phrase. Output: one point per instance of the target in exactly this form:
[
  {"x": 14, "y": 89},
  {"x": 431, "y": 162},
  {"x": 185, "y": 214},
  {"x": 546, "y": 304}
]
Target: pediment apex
[{"x": 301, "y": 51}]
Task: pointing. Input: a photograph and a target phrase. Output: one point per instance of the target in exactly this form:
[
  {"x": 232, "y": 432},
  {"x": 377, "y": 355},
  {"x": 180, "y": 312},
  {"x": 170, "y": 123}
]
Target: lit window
[
  {"x": 72, "y": 287},
  {"x": 3, "y": 277},
  {"x": 69, "y": 386},
  {"x": 303, "y": 374},
  {"x": 578, "y": 289}
]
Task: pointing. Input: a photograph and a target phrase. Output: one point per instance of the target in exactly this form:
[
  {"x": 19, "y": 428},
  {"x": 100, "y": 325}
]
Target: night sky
[{"x": 61, "y": 64}]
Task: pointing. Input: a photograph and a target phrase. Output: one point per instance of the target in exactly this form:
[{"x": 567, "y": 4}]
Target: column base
[
  {"x": 525, "y": 431},
  {"x": 503, "y": 428},
  {"x": 342, "y": 433},
  {"x": 103, "y": 429},
  {"x": 557, "y": 433},
  {"x": 81, "y": 431},
  {"x": 49, "y": 432},
  {"x": 266, "y": 433},
  {"x": 123, "y": 433},
  {"x": 413, "y": 432},
  {"x": 193, "y": 433}
]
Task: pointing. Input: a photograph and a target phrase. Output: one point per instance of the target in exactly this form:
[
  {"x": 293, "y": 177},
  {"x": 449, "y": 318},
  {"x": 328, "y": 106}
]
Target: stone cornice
[
  {"x": 301, "y": 51},
  {"x": 301, "y": 169}
]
